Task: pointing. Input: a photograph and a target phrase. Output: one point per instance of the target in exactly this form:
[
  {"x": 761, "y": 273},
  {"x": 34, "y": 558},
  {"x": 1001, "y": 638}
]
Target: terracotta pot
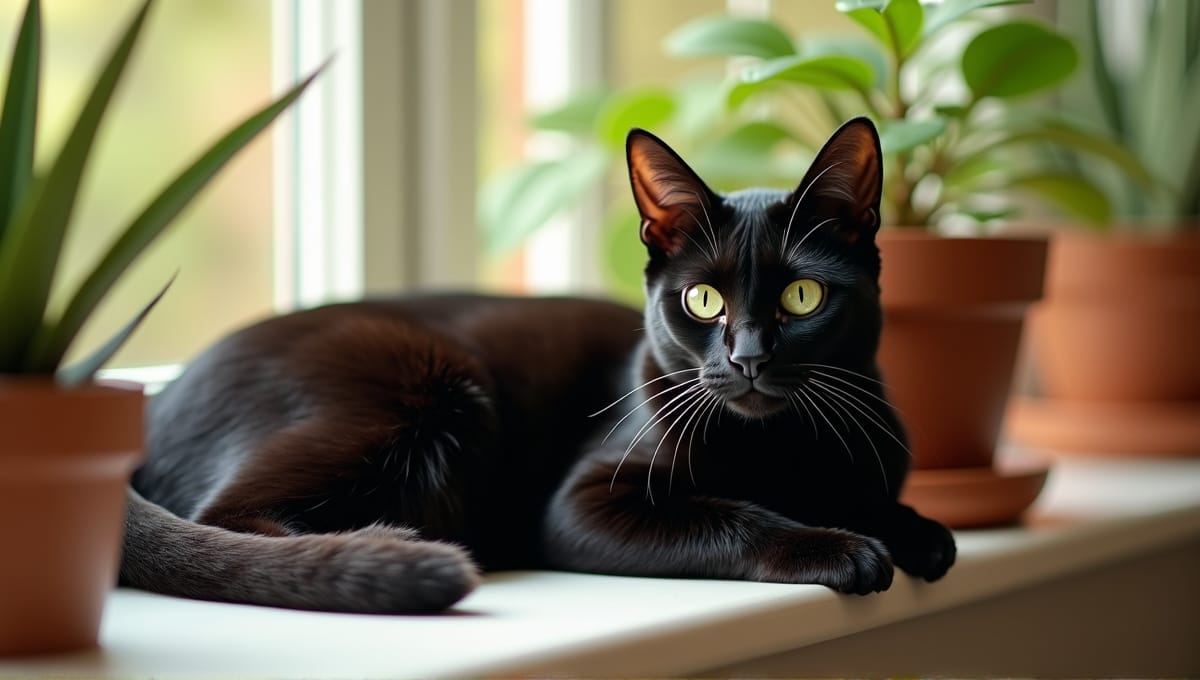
[
  {"x": 1121, "y": 319},
  {"x": 65, "y": 459},
  {"x": 953, "y": 314}
]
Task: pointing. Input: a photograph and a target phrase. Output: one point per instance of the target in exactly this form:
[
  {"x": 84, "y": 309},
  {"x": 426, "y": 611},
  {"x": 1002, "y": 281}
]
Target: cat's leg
[
  {"x": 918, "y": 545},
  {"x": 605, "y": 523}
]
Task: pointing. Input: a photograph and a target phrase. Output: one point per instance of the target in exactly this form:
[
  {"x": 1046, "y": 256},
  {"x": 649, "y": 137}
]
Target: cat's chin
[{"x": 756, "y": 405}]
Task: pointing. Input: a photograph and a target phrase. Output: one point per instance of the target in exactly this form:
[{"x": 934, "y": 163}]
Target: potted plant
[
  {"x": 67, "y": 442},
  {"x": 962, "y": 142},
  {"x": 1135, "y": 284}
]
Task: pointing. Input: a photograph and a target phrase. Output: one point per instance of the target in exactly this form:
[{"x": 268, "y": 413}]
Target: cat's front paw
[
  {"x": 924, "y": 549},
  {"x": 844, "y": 561}
]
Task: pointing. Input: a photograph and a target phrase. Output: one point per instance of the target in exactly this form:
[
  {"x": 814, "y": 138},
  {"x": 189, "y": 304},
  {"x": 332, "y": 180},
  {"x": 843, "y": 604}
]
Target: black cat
[{"x": 335, "y": 458}]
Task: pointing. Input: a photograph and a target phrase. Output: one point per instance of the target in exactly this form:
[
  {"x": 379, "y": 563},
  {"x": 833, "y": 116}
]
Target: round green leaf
[
  {"x": 904, "y": 135},
  {"x": 645, "y": 109},
  {"x": 1017, "y": 58},
  {"x": 1072, "y": 193},
  {"x": 727, "y": 36},
  {"x": 827, "y": 72}
]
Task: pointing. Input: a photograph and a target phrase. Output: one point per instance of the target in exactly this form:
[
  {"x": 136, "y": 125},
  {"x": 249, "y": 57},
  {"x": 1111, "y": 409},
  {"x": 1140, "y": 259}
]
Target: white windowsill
[{"x": 1091, "y": 514}]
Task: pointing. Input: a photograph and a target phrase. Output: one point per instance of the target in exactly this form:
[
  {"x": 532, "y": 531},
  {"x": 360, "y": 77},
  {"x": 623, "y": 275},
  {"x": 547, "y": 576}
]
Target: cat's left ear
[
  {"x": 671, "y": 198},
  {"x": 845, "y": 182}
]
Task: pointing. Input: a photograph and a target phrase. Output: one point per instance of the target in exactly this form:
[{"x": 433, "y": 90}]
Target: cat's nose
[
  {"x": 749, "y": 363},
  {"x": 748, "y": 349}
]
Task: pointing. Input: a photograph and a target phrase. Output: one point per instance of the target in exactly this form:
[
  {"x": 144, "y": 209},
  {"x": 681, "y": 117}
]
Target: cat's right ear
[{"x": 671, "y": 198}]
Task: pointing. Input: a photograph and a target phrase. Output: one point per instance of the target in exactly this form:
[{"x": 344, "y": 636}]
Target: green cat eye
[
  {"x": 802, "y": 297},
  {"x": 703, "y": 302}
]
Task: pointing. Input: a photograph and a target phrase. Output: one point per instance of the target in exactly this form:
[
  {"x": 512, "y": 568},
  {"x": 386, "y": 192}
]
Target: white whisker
[
  {"x": 807, "y": 394},
  {"x": 689, "y": 381},
  {"x": 871, "y": 442},
  {"x": 645, "y": 384},
  {"x": 686, "y": 406},
  {"x": 649, "y": 425},
  {"x": 799, "y": 201}
]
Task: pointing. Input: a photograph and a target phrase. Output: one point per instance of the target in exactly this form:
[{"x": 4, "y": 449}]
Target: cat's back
[{"x": 541, "y": 361}]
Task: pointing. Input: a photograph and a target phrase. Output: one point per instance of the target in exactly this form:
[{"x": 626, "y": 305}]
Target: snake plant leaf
[
  {"x": 18, "y": 121},
  {"x": 727, "y": 36},
  {"x": 83, "y": 371},
  {"x": 896, "y": 24},
  {"x": 832, "y": 72},
  {"x": 53, "y": 340},
  {"x": 34, "y": 238},
  {"x": 1017, "y": 58},
  {"x": 1072, "y": 193}
]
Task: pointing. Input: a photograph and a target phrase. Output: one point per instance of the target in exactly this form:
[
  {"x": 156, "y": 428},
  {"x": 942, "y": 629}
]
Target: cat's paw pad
[{"x": 926, "y": 551}]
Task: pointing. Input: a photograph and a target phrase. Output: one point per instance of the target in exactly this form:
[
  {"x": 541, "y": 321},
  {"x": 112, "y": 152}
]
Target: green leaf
[
  {"x": 905, "y": 135},
  {"x": 34, "y": 240},
  {"x": 1072, "y": 193},
  {"x": 990, "y": 215},
  {"x": 576, "y": 116},
  {"x": 82, "y": 371},
  {"x": 728, "y": 36},
  {"x": 743, "y": 156},
  {"x": 624, "y": 257},
  {"x": 857, "y": 48},
  {"x": 942, "y": 14},
  {"x": 649, "y": 109},
  {"x": 516, "y": 204},
  {"x": 1017, "y": 58},
  {"x": 52, "y": 341},
  {"x": 18, "y": 122},
  {"x": 896, "y": 24},
  {"x": 829, "y": 73}
]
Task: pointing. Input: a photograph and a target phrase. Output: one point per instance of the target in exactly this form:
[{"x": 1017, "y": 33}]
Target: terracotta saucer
[
  {"x": 1061, "y": 427},
  {"x": 975, "y": 497}
]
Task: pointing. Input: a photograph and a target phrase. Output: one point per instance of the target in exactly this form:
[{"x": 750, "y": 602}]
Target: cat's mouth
[{"x": 756, "y": 403}]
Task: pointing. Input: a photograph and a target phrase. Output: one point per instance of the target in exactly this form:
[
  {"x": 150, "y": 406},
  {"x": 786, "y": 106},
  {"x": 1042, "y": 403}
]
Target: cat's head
[{"x": 754, "y": 288}]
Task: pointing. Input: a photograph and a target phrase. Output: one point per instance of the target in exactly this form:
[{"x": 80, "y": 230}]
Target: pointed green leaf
[
  {"x": 896, "y": 24},
  {"x": 52, "y": 342},
  {"x": 518, "y": 203},
  {"x": 18, "y": 121},
  {"x": 828, "y": 72},
  {"x": 728, "y": 36},
  {"x": 35, "y": 236},
  {"x": 1017, "y": 58},
  {"x": 905, "y": 135},
  {"x": 743, "y": 157},
  {"x": 576, "y": 116},
  {"x": 82, "y": 371},
  {"x": 942, "y": 14},
  {"x": 1072, "y": 193},
  {"x": 649, "y": 108}
]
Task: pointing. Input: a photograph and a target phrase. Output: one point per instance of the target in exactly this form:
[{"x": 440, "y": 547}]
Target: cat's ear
[
  {"x": 671, "y": 198},
  {"x": 845, "y": 182}
]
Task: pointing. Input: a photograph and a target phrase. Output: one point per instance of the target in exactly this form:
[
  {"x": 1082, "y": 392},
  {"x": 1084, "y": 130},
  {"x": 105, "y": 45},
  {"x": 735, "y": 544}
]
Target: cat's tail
[{"x": 378, "y": 569}]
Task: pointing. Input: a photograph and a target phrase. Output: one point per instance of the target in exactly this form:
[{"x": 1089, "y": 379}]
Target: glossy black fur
[{"x": 757, "y": 447}]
